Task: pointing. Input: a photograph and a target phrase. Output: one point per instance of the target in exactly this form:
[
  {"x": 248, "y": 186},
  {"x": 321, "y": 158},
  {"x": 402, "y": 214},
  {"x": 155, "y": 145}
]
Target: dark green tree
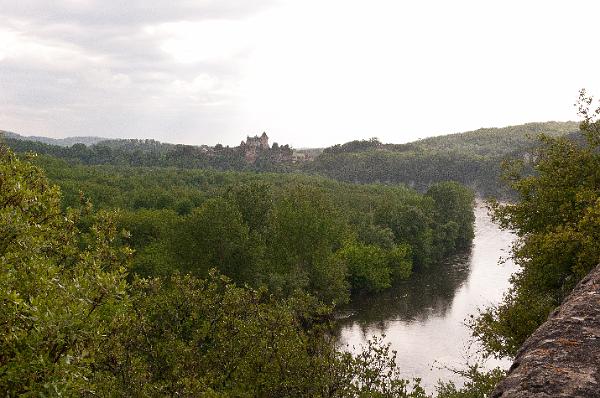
[
  {"x": 214, "y": 236},
  {"x": 305, "y": 231}
]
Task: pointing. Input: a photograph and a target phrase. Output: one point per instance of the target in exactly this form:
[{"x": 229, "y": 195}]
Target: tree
[
  {"x": 208, "y": 337},
  {"x": 214, "y": 236},
  {"x": 557, "y": 221},
  {"x": 304, "y": 232},
  {"x": 410, "y": 224},
  {"x": 191, "y": 337},
  {"x": 255, "y": 202},
  {"x": 453, "y": 204},
  {"x": 59, "y": 288},
  {"x": 71, "y": 325},
  {"x": 368, "y": 267}
]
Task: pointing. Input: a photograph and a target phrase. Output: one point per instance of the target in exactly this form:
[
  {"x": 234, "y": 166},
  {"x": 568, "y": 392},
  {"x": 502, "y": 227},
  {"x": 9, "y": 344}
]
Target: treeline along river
[
  {"x": 424, "y": 317},
  {"x": 81, "y": 322}
]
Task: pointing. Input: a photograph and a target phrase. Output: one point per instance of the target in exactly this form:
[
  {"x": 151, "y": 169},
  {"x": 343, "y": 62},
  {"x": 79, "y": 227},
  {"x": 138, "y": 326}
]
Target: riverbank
[{"x": 423, "y": 317}]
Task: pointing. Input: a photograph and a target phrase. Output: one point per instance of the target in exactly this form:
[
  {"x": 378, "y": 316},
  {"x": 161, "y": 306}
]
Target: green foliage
[
  {"x": 355, "y": 146},
  {"x": 366, "y": 370},
  {"x": 304, "y": 232},
  {"x": 194, "y": 337},
  {"x": 400, "y": 262},
  {"x": 372, "y": 268},
  {"x": 453, "y": 205},
  {"x": 69, "y": 141},
  {"x": 71, "y": 325},
  {"x": 478, "y": 384},
  {"x": 470, "y": 158},
  {"x": 497, "y": 142},
  {"x": 132, "y": 152},
  {"x": 214, "y": 234},
  {"x": 190, "y": 337},
  {"x": 59, "y": 288},
  {"x": 149, "y": 234},
  {"x": 279, "y": 230},
  {"x": 557, "y": 220},
  {"x": 411, "y": 225},
  {"x": 255, "y": 202},
  {"x": 368, "y": 267}
]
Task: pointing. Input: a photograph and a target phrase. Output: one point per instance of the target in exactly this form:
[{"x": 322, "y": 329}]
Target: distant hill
[
  {"x": 152, "y": 153},
  {"x": 497, "y": 141},
  {"x": 64, "y": 142},
  {"x": 488, "y": 142},
  {"x": 472, "y": 158}
]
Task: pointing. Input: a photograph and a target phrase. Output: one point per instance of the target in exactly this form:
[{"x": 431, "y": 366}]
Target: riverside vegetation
[
  {"x": 222, "y": 283},
  {"x": 83, "y": 314},
  {"x": 556, "y": 218},
  {"x": 557, "y": 221}
]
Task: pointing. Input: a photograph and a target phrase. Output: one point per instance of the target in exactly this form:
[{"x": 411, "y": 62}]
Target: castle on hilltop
[
  {"x": 261, "y": 142},
  {"x": 254, "y": 145}
]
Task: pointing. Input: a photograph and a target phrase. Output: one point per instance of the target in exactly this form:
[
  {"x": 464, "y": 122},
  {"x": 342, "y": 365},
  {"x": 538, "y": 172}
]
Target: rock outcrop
[{"x": 562, "y": 357}]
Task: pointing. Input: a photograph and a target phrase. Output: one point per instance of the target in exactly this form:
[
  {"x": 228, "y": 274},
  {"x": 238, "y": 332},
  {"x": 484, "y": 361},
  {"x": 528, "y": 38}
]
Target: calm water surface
[{"x": 423, "y": 318}]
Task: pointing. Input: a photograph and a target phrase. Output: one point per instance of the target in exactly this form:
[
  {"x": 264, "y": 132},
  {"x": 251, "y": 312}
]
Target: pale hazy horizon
[{"x": 310, "y": 73}]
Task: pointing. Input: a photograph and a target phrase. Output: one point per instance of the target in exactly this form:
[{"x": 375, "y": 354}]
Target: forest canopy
[
  {"x": 284, "y": 231},
  {"x": 471, "y": 158},
  {"x": 75, "y": 322}
]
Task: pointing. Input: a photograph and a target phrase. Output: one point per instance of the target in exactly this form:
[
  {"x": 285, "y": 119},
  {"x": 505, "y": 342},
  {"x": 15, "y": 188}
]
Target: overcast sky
[{"x": 308, "y": 72}]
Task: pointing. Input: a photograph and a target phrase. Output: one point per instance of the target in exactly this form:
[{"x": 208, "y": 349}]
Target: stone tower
[
  {"x": 253, "y": 145},
  {"x": 264, "y": 141}
]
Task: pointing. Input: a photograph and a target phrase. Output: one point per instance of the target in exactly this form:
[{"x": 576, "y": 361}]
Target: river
[{"x": 423, "y": 317}]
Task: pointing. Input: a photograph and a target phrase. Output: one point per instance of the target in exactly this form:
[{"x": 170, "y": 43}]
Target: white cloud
[
  {"x": 201, "y": 83},
  {"x": 206, "y": 41},
  {"x": 204, "y": 89},
  {"x": 104, "y": 79},
  {"x": 19, "y": 48}
]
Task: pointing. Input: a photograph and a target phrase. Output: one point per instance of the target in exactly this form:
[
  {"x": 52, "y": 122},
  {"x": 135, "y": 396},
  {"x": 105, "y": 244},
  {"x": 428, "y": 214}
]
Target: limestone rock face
[{"x": 562, "y": 357}]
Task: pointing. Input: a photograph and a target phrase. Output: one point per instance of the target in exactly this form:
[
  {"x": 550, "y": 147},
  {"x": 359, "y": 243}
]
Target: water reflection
[
  {"x": 416, "y": 300},
  {"x": 423, "y": 318}
]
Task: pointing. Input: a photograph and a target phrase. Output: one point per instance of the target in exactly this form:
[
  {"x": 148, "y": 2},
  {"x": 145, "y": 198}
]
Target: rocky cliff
[{"x": 562, "y": 357}]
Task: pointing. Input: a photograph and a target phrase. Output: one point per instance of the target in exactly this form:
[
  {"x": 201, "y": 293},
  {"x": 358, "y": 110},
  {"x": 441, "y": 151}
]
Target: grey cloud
[
  {"x": 121, "y": 86},
  {"x": 130, "y": 12}
]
